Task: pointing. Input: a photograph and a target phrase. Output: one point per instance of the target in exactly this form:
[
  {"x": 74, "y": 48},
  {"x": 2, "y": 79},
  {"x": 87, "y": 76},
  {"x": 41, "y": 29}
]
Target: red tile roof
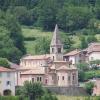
[
  {"x": 72, "y": 53},
  {"x": 94, "y": 47},
  {"x": 36, "y": 57},
  {"x": 3, "y": 69},
  {"x": 64, "y": 67}
]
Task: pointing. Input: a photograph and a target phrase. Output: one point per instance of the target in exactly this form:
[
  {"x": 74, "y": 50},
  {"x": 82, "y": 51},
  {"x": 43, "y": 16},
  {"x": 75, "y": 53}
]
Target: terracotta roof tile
[
  {"x": 94, "y": 47},
  {"x": 64, "y": 67},
  {"x": 3, "y": 69},
  {"x": 33, "y": 71},
  {"x": 72, "y": 53},
  {"x": 36, "y": 57}
]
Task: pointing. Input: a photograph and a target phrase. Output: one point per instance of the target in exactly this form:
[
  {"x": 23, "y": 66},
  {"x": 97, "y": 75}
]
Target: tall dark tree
[
  {"x": 84, "y": 43},
  {"x": 42, "y": 46},
  {"x": 15, "y": 32},
  {"x": 47, "y": 14}
]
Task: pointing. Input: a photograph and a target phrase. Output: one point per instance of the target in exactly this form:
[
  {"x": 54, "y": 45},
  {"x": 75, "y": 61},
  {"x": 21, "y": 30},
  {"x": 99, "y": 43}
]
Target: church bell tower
[{"x": 56, "y": 46}]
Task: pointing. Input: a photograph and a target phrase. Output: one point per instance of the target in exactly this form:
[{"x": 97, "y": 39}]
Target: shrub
[{"x": 89, "y": 87}]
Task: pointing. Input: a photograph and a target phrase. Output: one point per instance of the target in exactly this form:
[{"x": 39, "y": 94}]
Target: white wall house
[
  {"x": 94, "y": 56},
  {"x": 7, "y": 81},
  {"x": 92, "y": 52}
]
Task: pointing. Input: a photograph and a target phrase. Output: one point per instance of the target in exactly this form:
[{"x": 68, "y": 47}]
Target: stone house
[{"x": 7, "y": 81}]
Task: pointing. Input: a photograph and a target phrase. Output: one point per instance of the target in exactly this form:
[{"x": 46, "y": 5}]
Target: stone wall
[{"x": 69, "y": 91}]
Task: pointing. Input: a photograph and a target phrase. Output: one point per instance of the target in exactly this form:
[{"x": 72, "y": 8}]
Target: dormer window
[{"x": 59, "y": 50}]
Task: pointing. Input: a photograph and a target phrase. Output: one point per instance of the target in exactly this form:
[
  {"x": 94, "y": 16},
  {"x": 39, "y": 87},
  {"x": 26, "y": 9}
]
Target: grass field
[
  {"x": 28, "y": 32},
  {"x": 30, "y": 45}
]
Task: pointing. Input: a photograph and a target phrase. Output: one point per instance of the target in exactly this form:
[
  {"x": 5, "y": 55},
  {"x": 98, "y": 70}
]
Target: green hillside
[{"x": 37, "y": 34}]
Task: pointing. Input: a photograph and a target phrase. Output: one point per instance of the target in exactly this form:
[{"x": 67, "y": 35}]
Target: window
[
  {"x": 63, "y": 78},
  {"x": 68, "y": 78},
  {"x": 0, "y": 74},
  {"x": 46, "y": 81},
  {"x": 25, "y": 63},
  {"x": 73, "y": 77},
  {"x": 32, "y": 79},
  {"x": 37, "y": 78},
  {"x": 53, "y": 58},
  {"x": 8, "y": 74},
  {"x": 40, "y": 78},
  {"x": 8, "y": 83},
  {"x": 59, "y": 50},
  {"x": 52, "y": 50},
  {"x": 92, "y": 58},
  {"x": 58, "y": 77},
  {"x": 52, "y": 77}
]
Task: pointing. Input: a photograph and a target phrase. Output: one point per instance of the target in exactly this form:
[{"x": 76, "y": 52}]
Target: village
[{"x": 57, "y": 69}]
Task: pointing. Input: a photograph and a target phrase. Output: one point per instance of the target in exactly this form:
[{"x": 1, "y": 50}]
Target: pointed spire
[{"x": 56, "y": 38}]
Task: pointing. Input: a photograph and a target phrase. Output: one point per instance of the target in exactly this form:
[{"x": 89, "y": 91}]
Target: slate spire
[{"x": 56, "y": 38}]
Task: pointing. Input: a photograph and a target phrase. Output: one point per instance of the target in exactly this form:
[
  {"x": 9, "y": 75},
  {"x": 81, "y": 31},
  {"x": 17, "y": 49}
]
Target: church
[{"x": 48, "y": 69}]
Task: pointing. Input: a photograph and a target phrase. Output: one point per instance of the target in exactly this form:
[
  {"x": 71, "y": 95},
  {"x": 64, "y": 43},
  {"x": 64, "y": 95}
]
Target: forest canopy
[{"x": 72, "y": 17}]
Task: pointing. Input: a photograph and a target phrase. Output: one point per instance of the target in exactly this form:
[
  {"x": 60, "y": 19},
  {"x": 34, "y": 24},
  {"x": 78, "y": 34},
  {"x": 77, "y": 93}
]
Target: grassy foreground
[
  {"x": 62, "y": 97},
  {"x": 9, "y": 98}
]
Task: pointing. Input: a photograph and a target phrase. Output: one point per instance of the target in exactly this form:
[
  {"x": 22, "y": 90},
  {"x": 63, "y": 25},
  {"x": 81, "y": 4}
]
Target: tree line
[
  {"x": 73, "y": 16},
  {"x": 11, "y": 39},
  {"x": 70, "y": 15}
]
